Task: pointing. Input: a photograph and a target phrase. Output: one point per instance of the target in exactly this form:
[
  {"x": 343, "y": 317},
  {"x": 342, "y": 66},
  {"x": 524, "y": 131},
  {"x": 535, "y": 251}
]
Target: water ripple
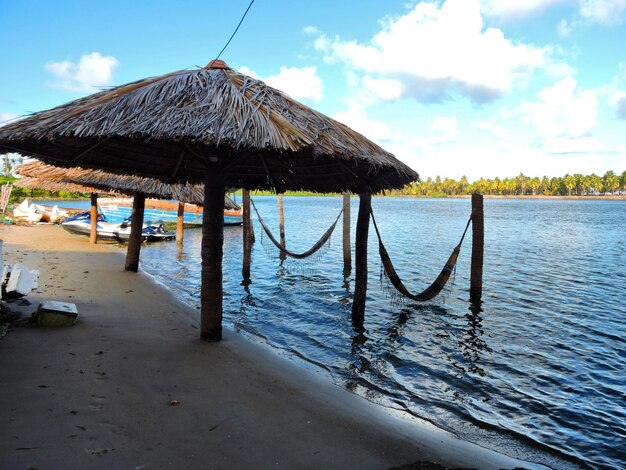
[{"x": 537, "y": 372}]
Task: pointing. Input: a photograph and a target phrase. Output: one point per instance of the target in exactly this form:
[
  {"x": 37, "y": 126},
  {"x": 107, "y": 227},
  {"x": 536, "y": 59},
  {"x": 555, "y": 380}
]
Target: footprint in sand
[
  {"x": 97, "y": 402},
  {"x": 114, "y": 428},
  {"x": 100, "y": 451}
]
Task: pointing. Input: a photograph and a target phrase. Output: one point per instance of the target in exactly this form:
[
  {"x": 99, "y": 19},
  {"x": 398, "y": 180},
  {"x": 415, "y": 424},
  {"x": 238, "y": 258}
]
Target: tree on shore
[{"x": 520, "y": 185}]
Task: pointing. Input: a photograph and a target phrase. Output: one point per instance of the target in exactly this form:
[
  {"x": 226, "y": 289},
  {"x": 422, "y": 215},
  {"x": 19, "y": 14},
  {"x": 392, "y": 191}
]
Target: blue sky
[{"x": 456, "y": 87}]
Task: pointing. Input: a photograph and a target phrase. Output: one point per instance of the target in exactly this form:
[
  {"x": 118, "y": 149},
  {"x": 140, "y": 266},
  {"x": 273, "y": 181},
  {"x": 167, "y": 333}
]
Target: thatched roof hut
[
  {"x": 220, "y": 127},
  {"x": 37, "y": 183},
  {"x": 170, "y": 127},
  {"x": 104, "y": 182}
]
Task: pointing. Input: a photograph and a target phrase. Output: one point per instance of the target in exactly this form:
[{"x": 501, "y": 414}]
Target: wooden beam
[
  {"x": 89, "y": 148},
  {"x": 93, "y": 235},
  {"x": 360, "y": 281},
  {"x": 212, "y": 250},
  {"x": 136, "y": 227},
  {"x": 478, "y": 247},
  {"x": 178, "y": 163},
  {"x": 180, "y": 223}
]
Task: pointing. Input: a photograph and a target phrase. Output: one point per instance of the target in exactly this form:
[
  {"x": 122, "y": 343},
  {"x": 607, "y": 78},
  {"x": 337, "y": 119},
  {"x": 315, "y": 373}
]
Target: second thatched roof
[
  {"x": 38, "y": 183},
  {"x": 101, "y": 181}
]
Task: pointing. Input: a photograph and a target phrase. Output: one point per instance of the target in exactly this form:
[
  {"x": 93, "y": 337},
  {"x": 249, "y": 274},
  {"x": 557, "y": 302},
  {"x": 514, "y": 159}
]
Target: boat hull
[{"x": 81, "y": 225}]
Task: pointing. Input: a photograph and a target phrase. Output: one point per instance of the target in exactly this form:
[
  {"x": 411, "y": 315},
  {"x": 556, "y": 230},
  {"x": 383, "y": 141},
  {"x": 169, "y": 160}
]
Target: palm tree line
[{"x": 521, "y": 185}]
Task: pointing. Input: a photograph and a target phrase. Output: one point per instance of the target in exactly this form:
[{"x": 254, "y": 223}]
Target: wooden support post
[
  {"x": 360, "y": 281},
  {"x": 347, "y": 251},
  {"x": 212, "y": 250},
  {"x": 180, "y": 223},
  {"x": 136, "y": 226},
  {"x": 478, "y": 244},
  {"x": 281, "y": 226},
  {"x": 247, "y": 238},
  {"x": 93, "y": 235}
]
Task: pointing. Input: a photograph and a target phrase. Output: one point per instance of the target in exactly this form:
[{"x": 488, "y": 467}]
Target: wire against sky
[{"x": 236, "y": 29}]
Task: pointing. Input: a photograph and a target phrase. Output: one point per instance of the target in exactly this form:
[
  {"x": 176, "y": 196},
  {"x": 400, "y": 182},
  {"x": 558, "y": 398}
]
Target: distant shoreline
[
  {"x": 456, "y": 196},
  {"x": 496, "y": 196}
]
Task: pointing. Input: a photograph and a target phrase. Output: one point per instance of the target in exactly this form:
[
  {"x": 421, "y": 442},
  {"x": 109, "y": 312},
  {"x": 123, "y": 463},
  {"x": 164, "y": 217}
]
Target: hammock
[
  {"x": 320, "y": 243},
  {"x": 436, "y": 287}
]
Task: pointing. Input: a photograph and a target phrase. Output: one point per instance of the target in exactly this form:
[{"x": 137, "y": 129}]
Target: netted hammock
[
  {"x": 436, "y": 287},
  {"x": 319, "y": 244}
]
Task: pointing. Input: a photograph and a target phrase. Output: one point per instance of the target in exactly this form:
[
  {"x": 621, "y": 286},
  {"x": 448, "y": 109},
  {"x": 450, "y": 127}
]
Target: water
[
  {"x": 538, "y": 373},
  {"x": 116, "y": 213}
]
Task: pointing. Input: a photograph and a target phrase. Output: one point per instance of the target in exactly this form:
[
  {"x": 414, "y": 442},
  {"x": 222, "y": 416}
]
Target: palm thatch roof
[
  {"x": 101, "y": 181},
  {"x": 38, "y": 183},
  {"x": 173, "y": 127}
]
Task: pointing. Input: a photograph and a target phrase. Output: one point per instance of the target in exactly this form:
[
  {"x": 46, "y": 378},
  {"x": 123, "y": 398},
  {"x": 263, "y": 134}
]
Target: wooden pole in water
[
  {"x": 136, "y": 226},
  {"x": 212, "y": 250},
  {"x": 247, "y": 237},
  {"x": 478, "y": 245},
  {"x": 281, "y": 225},
  {"x": 93, "y": 234},
  {"x": 360, "y": 281},
  {"x": 347, "y": 251},
  {"x": 180, "y": 224}
]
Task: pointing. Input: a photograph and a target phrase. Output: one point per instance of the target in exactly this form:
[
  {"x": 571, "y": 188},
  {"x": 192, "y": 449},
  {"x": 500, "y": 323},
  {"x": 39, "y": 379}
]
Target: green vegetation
[
  {"x": 568, "y": 185},
  {"x": 18, "y": 194}
]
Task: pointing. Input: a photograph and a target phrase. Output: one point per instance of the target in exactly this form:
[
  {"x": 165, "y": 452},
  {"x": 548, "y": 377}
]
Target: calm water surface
[{"x": 538, "y": 372}]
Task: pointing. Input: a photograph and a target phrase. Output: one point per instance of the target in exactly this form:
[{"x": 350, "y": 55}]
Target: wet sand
[{"x": 131, "y": 385}]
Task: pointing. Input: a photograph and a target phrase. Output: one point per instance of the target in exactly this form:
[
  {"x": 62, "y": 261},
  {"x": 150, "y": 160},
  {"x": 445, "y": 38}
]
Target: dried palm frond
[
  {"x": 37, "y": 183},
  {"x": 101, "y": 181}
]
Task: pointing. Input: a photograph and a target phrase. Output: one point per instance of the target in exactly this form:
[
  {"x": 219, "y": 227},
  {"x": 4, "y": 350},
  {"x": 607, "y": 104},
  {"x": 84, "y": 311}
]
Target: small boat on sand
[
  {"x": 80, "y": 224},
  {"x": 37, "y": 213}
]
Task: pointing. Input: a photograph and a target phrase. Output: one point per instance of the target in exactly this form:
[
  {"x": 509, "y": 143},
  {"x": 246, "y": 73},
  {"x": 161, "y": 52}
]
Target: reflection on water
[
  {"x": 471, "y": 341},
  {"x": 537, "y": 370}
]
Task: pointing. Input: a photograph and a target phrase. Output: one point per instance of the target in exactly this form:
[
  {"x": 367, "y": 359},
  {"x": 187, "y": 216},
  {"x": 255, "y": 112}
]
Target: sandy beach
[{"x": 131, "y": 385}]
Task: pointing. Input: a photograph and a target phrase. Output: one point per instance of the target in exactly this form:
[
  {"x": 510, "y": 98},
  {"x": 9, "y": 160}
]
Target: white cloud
[
  {"x": 513, "y": 9},
  {"x": 603, "y": 11},
  {"x": 492, "y": 128},
  {"x": 356, "y": 118},
  {"x": 445, "y": 129},
  {"x": 310, "y": 30},
  {"x": 383, "y": 88},
  {"x": 436, "y": 51},
  {"x": 619, "y": 101},
  {"x": 569, "y": 145},
  {"x": 248, "y": 71},
  {"x": 92, "y": 71},
  {"x": 298, "y": 82},
  {"x": 5, "y": 118},
  {"x": 564, "y": 117},
  {"x": 564, "y": 28}
]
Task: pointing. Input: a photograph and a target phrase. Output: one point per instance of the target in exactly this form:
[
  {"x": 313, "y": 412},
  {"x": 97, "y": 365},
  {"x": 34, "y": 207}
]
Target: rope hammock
[
  {"x": 319, "y": 244},
  {"x": 436, "y": 287}
]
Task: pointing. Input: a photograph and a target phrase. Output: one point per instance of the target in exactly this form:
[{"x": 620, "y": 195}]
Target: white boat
[
  {"x": 37, "y": 213},
  {"x": 80, "y": 224}
]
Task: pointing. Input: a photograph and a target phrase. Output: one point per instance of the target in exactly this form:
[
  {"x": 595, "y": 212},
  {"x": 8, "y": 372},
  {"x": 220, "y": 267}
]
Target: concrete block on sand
[
  {"x": 55, "y": 313},
  {"x": 22, "y": 280}
]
